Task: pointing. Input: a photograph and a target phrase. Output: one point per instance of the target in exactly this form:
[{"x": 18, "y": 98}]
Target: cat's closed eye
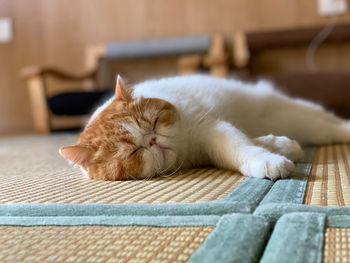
[
  {"x": 155, "y": 124},
  {"x": 135, "y": 151},
  {"x": 137, "y": 121}
]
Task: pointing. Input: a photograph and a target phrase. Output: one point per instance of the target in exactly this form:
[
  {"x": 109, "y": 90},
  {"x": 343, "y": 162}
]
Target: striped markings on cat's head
[{"x": 127, "y": 138}]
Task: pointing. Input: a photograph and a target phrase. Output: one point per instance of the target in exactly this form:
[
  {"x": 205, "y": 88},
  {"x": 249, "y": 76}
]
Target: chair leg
[
  {"x": 241, "y": 53},
  {"x": 40, "y": 111},
  {"x": 216, "y": 59}
]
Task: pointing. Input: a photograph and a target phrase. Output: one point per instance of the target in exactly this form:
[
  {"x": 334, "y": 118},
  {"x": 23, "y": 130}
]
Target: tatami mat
[
  {"x": 329, "y": 181},
  {"x": 100, "y": 243},
  {"x": 33, "y": 172},
  {"x": 336, "y": 245}
]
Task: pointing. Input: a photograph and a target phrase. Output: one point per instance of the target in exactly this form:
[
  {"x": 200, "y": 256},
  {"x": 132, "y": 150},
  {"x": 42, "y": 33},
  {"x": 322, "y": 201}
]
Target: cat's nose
[{"x": 152, "y": 141}]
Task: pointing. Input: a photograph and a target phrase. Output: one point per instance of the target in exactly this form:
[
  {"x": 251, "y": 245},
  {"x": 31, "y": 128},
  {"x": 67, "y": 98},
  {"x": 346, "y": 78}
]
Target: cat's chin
[{"x": 169, "y": 164}]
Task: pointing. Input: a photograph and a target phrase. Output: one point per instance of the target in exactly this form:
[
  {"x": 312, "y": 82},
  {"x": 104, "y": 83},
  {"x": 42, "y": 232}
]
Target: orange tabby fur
[{"x": 107, "y": 149}]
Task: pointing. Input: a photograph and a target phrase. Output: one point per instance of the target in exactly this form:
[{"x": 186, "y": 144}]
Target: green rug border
[
  {"x": 274, "y": 211},
  {"x": 236, "y": 238},
  {"x": 338, "y": 221},
  {"x": 292, "y": 190},
  {"x": 134, "y": 209},
  {"x": 156, "y": 221},
  {"x": 251, "y": 190},
  {"x": 297, "y": 238}
]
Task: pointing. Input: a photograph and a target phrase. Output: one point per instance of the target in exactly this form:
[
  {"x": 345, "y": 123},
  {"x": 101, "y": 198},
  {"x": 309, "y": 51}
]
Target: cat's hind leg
[
  {"x": 281, "y": 145},
  {"x": 304, "y": 121}
]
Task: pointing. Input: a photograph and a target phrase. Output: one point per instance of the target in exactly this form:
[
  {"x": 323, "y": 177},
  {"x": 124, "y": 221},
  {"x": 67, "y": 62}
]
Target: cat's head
[{"x": 128, "y": 138}]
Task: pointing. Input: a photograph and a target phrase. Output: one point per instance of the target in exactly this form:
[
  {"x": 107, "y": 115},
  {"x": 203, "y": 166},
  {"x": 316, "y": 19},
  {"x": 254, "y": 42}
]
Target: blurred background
[{"x": 58, "y": 58}]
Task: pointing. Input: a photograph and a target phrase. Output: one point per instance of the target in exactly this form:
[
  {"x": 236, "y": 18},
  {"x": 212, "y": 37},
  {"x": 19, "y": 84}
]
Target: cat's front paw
[{"x": 268, "y": 165}]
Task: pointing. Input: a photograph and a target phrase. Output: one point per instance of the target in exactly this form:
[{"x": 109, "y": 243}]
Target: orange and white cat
[{"x": 161, "y": 126}]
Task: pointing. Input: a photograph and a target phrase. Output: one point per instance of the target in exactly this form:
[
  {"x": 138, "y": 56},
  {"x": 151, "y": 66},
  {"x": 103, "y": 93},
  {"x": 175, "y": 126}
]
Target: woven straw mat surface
[
  {"x": 329, "y": 181},
  {"x": 32, "y": 171},
  {"x": 336, "y": 245},
  {"x": 100, "y": 243}
]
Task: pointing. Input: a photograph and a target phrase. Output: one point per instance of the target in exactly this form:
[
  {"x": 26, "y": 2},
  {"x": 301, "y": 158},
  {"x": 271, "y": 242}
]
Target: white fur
[{"x": 236, "y": 125}]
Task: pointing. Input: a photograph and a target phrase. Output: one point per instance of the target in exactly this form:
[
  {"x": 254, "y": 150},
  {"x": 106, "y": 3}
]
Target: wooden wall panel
[
  {"x": 25, "y": 49},
  {"x": 55, "y": 32}
]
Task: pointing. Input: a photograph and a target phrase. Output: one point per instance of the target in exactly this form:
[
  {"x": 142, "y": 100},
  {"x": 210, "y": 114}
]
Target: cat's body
[
  {"x": 256, "y": 109},
  {"x": 226, "y": 123}
]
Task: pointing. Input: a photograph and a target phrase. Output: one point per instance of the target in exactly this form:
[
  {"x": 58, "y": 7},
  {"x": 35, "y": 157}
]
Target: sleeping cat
[{"x": 162, "y": 126}]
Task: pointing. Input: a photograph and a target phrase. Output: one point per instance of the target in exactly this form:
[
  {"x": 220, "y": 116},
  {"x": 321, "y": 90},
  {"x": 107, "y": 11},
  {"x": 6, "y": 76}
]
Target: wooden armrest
[
  {"x": 37, "y": 71},
  {"x": 188, "y": 64}
]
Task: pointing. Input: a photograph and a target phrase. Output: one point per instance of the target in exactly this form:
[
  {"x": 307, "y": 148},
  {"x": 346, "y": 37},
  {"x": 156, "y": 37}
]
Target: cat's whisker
[
  {"x": 176, "y": 170},
  {"x": 165, "y": 169},
  {"x": 137, "y": 179},
  {"x": 151, "y": 175},
  {"x": 168, "y": 175},
  {"x": 139, "y": 109},
  {"x": 147, "y": 101},
  {"x": 170, "y": 165},
  {"x": 132, "y": 177},
  {"x": 194, "y": 126},
  {"x": 205, "y": 114}
]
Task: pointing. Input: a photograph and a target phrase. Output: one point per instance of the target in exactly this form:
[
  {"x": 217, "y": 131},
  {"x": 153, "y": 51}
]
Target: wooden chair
[
  {"x": 44, "y": 120},
  {"x": 190, "y": 54}
]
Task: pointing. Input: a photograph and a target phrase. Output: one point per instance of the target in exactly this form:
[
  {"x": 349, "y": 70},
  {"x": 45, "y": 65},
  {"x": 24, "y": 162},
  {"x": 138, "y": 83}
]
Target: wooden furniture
[
  {"x": 193, "y": 52},
  {"x": 190, "y": 54},
  {"x": 329, "y": 88},
  {"x": 246, "y": 45},
  {"x": 44, "y": 120},
  {"x": 215, "y": 59}
]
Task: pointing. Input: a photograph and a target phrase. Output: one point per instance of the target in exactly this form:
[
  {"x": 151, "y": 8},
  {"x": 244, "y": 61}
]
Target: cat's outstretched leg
[
  {"x": 281, "y": 145},
  {"x": 301, "y": 120},
  {"x": 229, "y": 148}
]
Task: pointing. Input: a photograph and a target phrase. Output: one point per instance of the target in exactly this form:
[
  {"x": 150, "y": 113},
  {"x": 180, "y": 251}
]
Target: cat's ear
[
  {"x": 122, "y": 93},
  {"x": 77, "y": 154}
]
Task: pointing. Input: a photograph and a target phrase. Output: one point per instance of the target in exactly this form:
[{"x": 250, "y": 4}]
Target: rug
[{"x": 49, "y": 212}]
